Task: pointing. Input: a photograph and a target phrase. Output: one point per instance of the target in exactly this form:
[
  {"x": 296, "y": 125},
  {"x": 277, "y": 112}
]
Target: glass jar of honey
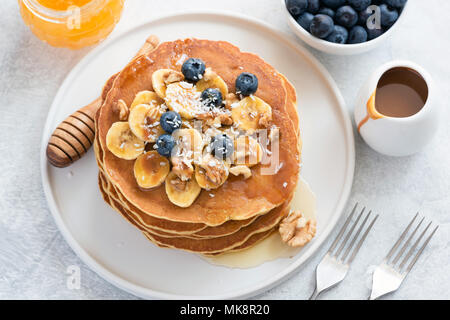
[{"x": 71, "y": 23}]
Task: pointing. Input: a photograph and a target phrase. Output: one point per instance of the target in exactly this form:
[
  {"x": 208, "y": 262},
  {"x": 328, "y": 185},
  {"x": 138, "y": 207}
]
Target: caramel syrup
[{"x": 400, "y": 93}]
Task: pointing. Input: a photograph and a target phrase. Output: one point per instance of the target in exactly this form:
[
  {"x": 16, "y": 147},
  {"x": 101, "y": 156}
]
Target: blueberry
[
  {"x": 374, "y": 33},
  {"x": 296, "y": 7},
  {"x": 338, "y": 35},
  {"x": 222, "y": 146},
  {"x": 328, "y": 11},
  {"x": 357, "y": 35},
  {"x": 346, "y": 16},
  {"x": 388, "y": 15},
  {"x": 246, "y": 84},
  {"x": 211, "y": 98},
  {"x": 364, "y": 16},
  {"x": 305, "y": 20},
  {"x": 165, "y": 144},
  {"x": 333, "y": 3},
  {"x": 359, "y": 5},
  {"x": 193, "y": 69},
  {"x": 170, "y": 121},
  {"x": 321, "y": 26},
  {"x": 313, "y": 6},
  {"x": 396, "y": 3}
]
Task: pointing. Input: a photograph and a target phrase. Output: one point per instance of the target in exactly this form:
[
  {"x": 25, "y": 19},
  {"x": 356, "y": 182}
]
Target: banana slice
[
  {"x": 144, "y": 121},
  {"x": 211, "y": 172},
  {"x": 247, "y": 151},
  {"x": 212, "y": 80},
  {"x": 122, "y": 142},
  {"x": 251, "y": 113},
  {"x": 162, "y": 78},
  {"x": 146, "y": 97},
  {"x": 189, "y": 144},
  {"x": 151, "y": 169},
  {"x": 184, "y": 98},
  {"x": 181, "y": 193}
]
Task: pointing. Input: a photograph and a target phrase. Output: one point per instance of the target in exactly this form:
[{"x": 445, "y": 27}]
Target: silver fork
[
  {"x": 388, "y": 276},
  {"x": 334, "y": 266}
]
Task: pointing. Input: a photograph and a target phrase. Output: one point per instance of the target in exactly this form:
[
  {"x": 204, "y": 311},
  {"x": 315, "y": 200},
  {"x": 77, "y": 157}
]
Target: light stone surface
[{"x": 34, "y": 256}]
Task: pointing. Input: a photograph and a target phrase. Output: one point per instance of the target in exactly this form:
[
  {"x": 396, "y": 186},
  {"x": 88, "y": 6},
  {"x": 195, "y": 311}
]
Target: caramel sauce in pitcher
[{"x": 401, "y": 92}]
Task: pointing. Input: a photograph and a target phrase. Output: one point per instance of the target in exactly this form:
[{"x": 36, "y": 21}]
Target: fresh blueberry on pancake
[
  {"x": 212, "y": 98},
  {"x": 165, "y": 144},
  {"x": 246, "y": 84},
  {"x": 170, "y": 121},
  {"x": 222, "y": 146},
  {"x": 193, "y": 69}
]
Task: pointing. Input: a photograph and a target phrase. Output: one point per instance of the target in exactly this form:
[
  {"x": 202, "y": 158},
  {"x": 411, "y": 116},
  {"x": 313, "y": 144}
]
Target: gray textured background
[{"x": 34, "y": 256}]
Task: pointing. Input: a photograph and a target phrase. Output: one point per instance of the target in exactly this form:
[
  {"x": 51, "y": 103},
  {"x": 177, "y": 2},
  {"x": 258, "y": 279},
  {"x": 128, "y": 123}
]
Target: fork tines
[
  {"x": 393, "y": 259},
  {"x": 347, "y": 244}
]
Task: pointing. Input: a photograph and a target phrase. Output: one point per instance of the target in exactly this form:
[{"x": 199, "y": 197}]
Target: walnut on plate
[{"x": 296, "y": 230}]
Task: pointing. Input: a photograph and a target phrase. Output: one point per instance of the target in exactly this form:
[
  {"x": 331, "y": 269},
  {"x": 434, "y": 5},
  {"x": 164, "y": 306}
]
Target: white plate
[{"x": 116, "y": 250}]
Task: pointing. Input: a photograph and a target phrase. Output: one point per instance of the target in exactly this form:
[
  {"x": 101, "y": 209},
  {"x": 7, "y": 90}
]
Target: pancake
[
  {"x": 263, "y": 223},
  {"x": 247, "y": 237},
  {"x": 148, "y": 223},
  {"x": 236, "y": 199}
]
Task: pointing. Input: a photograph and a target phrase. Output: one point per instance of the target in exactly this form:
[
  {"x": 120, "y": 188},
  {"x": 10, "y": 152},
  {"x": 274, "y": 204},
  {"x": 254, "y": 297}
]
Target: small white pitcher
[{"x": 395, "y": 136}]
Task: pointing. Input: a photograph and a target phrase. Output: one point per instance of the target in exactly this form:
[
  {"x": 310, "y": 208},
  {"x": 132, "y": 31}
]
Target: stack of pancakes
[{"x": 239, "y": 213}]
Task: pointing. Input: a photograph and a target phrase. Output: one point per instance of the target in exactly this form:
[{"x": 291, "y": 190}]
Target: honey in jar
[{"x": 71, "y": 23}]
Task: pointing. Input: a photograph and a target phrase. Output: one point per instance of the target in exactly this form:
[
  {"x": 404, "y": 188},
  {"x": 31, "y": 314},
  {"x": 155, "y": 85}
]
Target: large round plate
[{"x": 116, "y": 250}]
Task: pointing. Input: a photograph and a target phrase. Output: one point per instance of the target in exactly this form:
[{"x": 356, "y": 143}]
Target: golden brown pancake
[
  {"x": 247, "y": 237},
  {"x": 236, "y": 199}
]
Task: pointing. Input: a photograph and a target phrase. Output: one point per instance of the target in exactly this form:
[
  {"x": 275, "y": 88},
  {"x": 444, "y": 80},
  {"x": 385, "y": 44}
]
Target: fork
[
  {"x": 334, "y": 266},
  {"x": 388, "y": 276}
]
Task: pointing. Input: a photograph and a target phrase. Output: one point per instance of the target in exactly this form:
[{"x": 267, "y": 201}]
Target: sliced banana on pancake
[
  {"x": 212, "y": 80},
  {"x": 251, "y": 113},
  {"x": 247, "y": 151},
  {"x": 144, "y": 121},
  {"x": 184, "y": 98},
  {"x": 162, "y": 78},
  {"x": 123, "y": 143},
  {"x": 146, "y": 97},
  {"x": 151, "y": 170},
  {"x": 211, "y": 172},
  {"x": 181, "y": 193},
  {"x": 189, "y": 144}
]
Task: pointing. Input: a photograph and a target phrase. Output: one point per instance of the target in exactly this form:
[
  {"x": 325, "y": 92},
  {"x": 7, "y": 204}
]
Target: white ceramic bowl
[{"x": 335, "y": 48}]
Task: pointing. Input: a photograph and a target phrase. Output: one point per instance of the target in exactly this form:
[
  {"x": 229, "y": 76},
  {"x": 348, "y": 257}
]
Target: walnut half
[
  {"x": 296, "y": 231},
  {"x": 182, "y": 168}
]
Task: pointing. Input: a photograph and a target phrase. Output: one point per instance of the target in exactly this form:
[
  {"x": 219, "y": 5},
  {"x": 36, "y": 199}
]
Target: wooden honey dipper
[{"x": 74, "y": 136}]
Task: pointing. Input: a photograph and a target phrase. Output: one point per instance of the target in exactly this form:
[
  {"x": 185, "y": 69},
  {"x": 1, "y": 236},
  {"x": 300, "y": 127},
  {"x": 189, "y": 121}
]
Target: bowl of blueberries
[{"x": 344, "y": 27}]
